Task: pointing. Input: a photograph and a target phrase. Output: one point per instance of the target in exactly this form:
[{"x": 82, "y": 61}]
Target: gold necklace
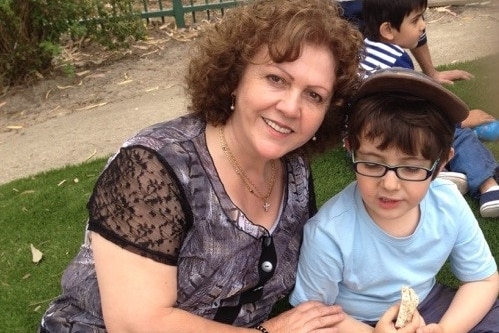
[{"x": 249, "y": 184}]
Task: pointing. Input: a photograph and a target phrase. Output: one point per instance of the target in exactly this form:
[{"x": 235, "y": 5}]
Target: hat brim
[{"x": 402, "y": 80}]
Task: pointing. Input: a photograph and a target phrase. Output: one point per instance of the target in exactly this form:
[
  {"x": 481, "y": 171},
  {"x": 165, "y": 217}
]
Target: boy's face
[
  {"x": 410, "y": 31},
  {"x": 389, "y": 200}
]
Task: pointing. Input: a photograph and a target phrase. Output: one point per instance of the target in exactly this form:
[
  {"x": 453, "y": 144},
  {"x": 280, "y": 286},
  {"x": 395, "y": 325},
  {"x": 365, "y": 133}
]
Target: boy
[
  {"x": 352, "y": 11},
  {"x": 397, "y": 224},
  {"x": 391, "y": 26}
]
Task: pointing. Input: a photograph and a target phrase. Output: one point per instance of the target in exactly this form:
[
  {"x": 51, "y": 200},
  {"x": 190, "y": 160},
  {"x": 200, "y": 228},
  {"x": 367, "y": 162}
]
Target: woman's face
[{"x": 280, "y": 106}]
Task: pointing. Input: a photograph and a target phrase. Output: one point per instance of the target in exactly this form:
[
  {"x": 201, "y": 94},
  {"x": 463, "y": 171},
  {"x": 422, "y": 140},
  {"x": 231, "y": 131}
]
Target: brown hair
[
  {"x": 284, "y": 26},
  {"x": 408, "y": 123},
  {"x": 377, "y": 12}
]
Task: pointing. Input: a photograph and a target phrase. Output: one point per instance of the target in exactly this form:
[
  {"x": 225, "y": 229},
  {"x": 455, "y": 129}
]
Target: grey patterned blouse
[{"x": 161, "y": 197}]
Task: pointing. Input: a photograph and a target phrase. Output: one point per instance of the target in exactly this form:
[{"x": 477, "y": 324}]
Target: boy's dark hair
[
  {"x": 375, "y": 12},
  {"x": 401, "y": 121}
]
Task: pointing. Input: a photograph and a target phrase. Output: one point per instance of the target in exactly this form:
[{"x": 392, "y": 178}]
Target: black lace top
[{"x": 137, "y": 205}]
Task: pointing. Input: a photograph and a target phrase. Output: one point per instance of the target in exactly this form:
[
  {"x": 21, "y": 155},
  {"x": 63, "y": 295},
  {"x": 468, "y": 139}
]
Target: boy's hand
[
  {"x": 448, "y": 77},
  {"x": 386, "y": 324},
  {"x": 431, "y": 328},
  {"x": 477, "y": 117}
]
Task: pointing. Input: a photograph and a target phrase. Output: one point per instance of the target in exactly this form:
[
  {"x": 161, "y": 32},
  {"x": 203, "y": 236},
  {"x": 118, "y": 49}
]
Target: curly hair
[{"x": 284, "y": 26}]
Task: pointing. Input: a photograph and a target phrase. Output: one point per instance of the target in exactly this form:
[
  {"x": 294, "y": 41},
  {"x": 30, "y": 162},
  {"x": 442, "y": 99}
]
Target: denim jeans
[
  {"x": 437, "y": 302},
  {"x": 473, "y": 159}
]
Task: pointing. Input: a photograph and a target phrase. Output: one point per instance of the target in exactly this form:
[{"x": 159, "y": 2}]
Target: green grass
[
  {"x": 482, "y": 91},
  {"x": 48, "y": 211}
]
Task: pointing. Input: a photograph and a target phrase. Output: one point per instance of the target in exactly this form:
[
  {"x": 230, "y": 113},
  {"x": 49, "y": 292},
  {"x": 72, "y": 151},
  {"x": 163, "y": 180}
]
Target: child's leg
[
  {"x": 437, "y": 302},
  {"x": 473, "y": 159}
]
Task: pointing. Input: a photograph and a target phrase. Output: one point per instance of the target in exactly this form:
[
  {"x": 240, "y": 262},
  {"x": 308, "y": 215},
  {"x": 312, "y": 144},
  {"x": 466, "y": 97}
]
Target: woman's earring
[
  {"x": 314, "y": 138},
  {"x": 232, "y": 107}
]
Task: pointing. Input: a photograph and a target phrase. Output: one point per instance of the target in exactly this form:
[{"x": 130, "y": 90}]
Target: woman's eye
[
  {"x": 274, "y": 78},
  {"x": 316, "y": 97}
]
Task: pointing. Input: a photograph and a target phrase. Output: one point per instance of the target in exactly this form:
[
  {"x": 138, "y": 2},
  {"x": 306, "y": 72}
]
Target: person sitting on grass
[
  {"x": 485, "y": 126},
  {"x": 390, "y": 27},
  {"x": 195, "y": 224},
  {"x": 397, "y": 224},
  {"x": 352, "y": 11}
]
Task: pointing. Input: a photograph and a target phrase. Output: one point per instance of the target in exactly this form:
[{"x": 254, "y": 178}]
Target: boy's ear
[
  {"x": 444, "y": 163},
  {"x": 346, "y": 144},
  {"x": 386, "y": 31}
]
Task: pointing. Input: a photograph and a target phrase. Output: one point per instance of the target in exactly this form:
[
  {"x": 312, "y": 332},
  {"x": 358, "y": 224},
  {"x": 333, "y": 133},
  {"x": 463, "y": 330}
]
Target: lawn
[{"x": 48, "y": 211}]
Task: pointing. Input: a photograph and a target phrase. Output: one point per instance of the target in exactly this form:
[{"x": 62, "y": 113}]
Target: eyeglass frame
[{"x": 429, "y": 172}]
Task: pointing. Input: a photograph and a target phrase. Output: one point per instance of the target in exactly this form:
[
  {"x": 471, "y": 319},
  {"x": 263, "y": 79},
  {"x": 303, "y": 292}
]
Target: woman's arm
[{"x": 138, "y": 294}]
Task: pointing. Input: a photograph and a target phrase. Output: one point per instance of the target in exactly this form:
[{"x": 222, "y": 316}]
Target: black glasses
[{"x": 404, "y": 172}]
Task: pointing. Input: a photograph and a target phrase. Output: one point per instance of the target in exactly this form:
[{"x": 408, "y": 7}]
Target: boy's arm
[
  {"x": 423, "y": 57},
  {"x": 350, "y": 324},
  {"x": 386, "y": 324},
  {"x": 470, "y": 304}
]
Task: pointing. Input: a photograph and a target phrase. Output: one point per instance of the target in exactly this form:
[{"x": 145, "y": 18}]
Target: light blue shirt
[{"x": 346, "y": 259}]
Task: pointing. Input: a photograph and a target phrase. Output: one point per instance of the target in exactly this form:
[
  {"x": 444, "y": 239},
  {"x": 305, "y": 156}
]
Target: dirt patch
[
  {"x": 61, "y": 120},
  {"x": 98, "y": 77}
]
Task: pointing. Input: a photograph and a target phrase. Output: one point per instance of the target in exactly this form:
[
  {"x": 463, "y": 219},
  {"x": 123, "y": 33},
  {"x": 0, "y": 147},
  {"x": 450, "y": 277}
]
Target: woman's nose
[{"x": 290, "y": 104}]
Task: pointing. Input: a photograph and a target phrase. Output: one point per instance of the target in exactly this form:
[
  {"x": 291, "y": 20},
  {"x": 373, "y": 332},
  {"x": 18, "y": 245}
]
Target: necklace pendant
[{"x": 266, "y": 206}]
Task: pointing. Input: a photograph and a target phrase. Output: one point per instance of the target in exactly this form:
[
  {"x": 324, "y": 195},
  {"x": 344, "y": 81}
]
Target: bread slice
[{"x": 409, "y": 303}]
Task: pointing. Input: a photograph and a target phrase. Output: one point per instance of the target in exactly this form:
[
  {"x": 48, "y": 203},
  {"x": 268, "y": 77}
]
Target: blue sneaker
[
  {"x": 489, "y": 204},
  {"x": 488, "y": 131}
]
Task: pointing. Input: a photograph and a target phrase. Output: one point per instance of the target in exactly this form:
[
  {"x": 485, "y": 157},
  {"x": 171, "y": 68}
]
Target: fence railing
[{"x": 178, "y": 9}]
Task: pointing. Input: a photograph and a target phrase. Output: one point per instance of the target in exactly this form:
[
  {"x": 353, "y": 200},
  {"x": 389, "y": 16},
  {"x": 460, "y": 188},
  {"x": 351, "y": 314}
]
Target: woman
[{"x": 195, "y": 224}]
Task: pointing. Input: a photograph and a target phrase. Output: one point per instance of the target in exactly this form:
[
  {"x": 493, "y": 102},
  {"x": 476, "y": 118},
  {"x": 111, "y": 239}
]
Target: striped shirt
[{"x": 380, "y": 55}]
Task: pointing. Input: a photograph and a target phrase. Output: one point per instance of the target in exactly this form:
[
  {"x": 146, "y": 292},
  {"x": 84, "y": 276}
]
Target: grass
[{"x": 48, "y": 211}]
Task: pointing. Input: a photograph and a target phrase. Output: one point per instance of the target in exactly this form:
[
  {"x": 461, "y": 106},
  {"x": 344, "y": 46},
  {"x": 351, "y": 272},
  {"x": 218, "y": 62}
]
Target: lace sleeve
[{"x": 137, "y": 204}]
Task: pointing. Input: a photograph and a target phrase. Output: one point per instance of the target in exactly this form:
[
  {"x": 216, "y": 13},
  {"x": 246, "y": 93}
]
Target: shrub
[{"x": 31, "y": 31}]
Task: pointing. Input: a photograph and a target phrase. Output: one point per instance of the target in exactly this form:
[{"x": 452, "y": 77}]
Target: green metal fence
[{"x": 179, "y": 8}]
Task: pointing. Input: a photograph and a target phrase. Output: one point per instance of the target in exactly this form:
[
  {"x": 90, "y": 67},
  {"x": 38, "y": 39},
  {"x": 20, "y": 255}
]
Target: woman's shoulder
[
  {"x": 181, "y": 129},
  {"x": 171, "y": 142}
]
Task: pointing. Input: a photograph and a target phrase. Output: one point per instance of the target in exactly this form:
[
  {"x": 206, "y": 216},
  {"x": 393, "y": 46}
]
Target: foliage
[{"x": 31, "y": 31}]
